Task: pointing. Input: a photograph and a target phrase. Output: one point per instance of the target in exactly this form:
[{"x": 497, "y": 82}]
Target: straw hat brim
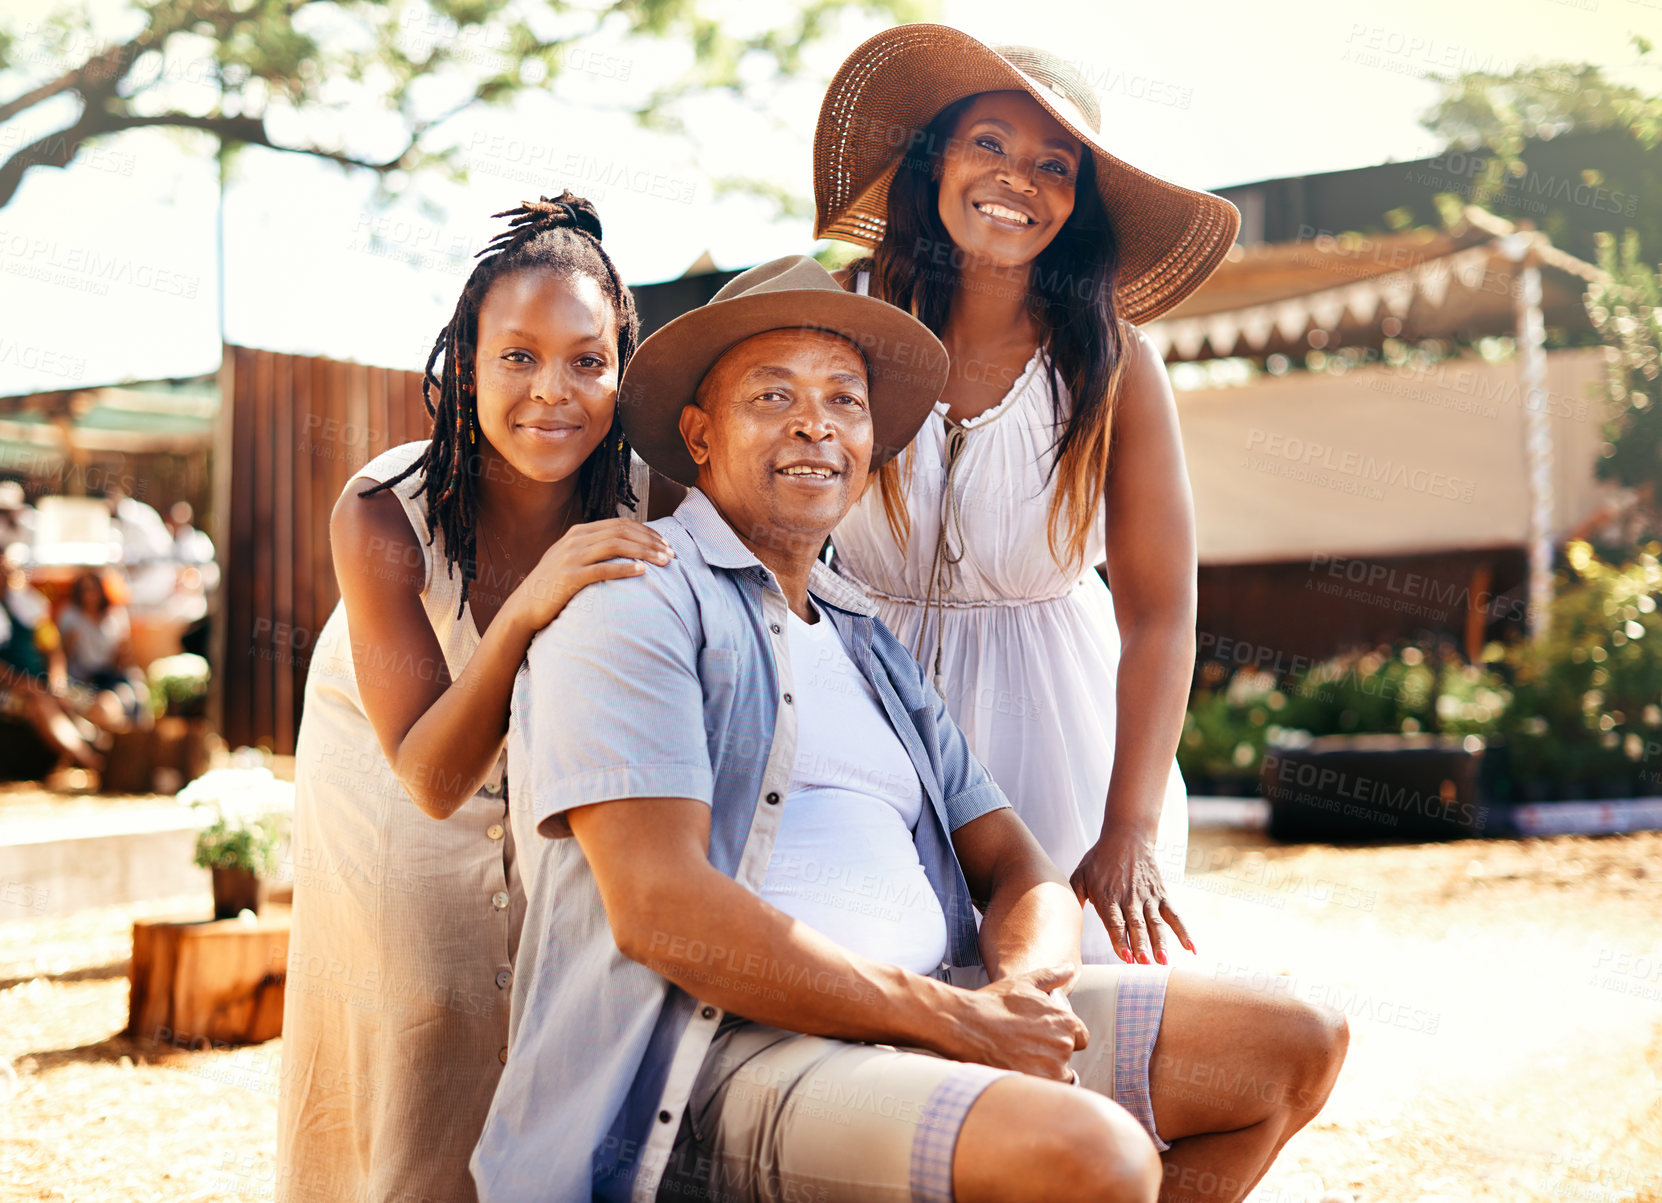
[
  {"x": 1170, "y": 238},
  {"x": 906, "y": 367}
]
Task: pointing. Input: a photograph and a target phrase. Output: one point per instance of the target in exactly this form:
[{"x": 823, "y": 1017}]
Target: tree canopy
[
  {"x": 297, "y": 75},
  {"x": 1562, "y": 144}
]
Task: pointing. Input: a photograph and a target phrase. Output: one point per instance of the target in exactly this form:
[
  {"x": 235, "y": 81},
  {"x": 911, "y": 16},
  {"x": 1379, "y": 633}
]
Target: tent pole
[{"x": 1532, "y": 372}]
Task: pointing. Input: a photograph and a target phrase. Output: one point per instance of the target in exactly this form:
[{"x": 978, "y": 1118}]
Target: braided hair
[{"x": 562, "y": 235}]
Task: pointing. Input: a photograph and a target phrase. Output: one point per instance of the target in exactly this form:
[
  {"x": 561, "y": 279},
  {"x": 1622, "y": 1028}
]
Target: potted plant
[
  {"x": 179, "y": 685},
  {"x": 251, "y": 811}
]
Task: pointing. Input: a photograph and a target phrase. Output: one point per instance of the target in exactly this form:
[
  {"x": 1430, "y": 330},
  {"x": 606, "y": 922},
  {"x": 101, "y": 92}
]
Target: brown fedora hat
[
  {"x": 907, "y": 364},
  {"x": 1170, "y": 238}
]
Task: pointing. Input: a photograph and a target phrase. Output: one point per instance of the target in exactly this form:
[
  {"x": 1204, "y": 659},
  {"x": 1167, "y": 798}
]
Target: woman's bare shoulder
[{"x": 373, "y": 533}]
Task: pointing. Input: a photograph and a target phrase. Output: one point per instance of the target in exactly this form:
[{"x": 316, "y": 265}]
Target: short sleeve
[
  {"x": 968, "y": 789},
  {"x": 609, "y": 704}
]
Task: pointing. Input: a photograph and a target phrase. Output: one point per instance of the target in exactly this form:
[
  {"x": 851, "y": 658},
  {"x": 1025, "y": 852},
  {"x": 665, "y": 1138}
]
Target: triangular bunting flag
[
  {"x": 1398, "y": 293},
  {"x": 1222, "y": 329},
  {"x": 1328, "y": 307},
  {"x": 1434, "y": 279},
  {"x": 1187, "y": 335},
  {"x": 1257, "y": 324},
  {"x": 1291, "y": 320},
  {"x": 1363, "y": 301}
]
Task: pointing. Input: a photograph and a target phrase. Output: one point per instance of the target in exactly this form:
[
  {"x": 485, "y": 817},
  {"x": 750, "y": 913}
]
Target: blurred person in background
[
  {"x": 97, "y": 636},
  {"x": 198, "y": 577},
  {"x": 34, "y": 684},
  {"x": 17, "y": 523}
]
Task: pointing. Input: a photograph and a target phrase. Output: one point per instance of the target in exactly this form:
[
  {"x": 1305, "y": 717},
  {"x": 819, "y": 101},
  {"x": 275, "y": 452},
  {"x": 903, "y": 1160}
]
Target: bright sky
[{"x": 108, "y": 269}]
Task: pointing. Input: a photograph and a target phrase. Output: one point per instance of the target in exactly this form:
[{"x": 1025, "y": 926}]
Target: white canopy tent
[{"x": 1384, "y": 461}]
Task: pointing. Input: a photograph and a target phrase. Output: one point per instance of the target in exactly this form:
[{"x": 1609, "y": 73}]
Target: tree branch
[
  {"x": 252, "y": 132},
  {"x": 52, "y": 150}
]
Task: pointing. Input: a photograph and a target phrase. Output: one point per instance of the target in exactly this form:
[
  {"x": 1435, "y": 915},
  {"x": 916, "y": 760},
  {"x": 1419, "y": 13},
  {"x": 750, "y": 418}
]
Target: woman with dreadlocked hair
[
  {"x": 450, "y": 554},
  {"x": 995, "y": 214}
]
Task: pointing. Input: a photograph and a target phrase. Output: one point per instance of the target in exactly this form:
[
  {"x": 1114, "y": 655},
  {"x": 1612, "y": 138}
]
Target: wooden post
[{"x": 1532, "y": 374}]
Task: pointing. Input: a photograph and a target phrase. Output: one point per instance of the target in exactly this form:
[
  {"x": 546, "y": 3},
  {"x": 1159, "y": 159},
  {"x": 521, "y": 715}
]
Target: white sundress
[{"x": 1029, "y": 655}]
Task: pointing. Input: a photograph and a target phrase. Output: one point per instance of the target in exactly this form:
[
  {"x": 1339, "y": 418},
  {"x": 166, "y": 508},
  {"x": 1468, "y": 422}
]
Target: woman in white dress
[
  {"x": 450, "y": 555},
  {"x": 997, "y": 217}
]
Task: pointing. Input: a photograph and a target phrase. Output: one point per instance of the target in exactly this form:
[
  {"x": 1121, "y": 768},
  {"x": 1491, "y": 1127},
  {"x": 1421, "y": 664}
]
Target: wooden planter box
[
  {"x": 1376, "y": 787},
  {"x": 179, "y": 744}
]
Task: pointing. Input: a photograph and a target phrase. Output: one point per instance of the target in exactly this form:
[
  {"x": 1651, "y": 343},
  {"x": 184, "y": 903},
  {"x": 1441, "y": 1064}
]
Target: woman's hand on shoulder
[{"x": 588, "y": 552}]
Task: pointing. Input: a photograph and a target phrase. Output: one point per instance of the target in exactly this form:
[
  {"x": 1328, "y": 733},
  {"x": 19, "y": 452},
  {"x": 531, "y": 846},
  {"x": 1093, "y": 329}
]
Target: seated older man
[{"x": 751, "y": 967}]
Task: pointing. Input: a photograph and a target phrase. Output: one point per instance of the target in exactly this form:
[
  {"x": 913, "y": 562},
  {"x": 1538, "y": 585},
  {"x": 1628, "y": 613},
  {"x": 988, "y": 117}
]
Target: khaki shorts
[{"x": 781, "y": 1117}]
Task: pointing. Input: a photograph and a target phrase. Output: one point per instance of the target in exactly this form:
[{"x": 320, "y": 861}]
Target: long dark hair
[
  {"x": 1070, "y": 295},
  {"x": 561, "y": 235}
]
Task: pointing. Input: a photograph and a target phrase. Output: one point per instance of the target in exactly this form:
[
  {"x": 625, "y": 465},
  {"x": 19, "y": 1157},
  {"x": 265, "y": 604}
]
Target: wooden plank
[
  {"x": 355, "y": 415},
  {"x": 282, "y": 540},
  {"x": 221, "y": 465},
  {"x": 263, "y": 692},
  {"x": 326, "y": 490},
  {"x": 238, "y": 614},
  {"x": 306, "y": 620},
  {"x": 379, "y": 436}
]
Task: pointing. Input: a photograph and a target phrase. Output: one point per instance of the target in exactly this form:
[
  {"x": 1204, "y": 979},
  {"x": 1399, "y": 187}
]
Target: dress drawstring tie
[{"x": 943, "y": 571}]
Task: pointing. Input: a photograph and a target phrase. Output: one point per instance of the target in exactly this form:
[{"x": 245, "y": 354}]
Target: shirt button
[
  {"x": 774, "y": 627},
  {"x": 502, "y": 1055},
  {"x": 494, "y": 831},
  {"x": 500, "y": 900},
  {"x": 503, "y": 977},
  {"x": 787, "y": 699},
  {"x": 773, "y": 799},
  {"x": 708, "y": 1013},
  {"x": 664, "y": 1117}
]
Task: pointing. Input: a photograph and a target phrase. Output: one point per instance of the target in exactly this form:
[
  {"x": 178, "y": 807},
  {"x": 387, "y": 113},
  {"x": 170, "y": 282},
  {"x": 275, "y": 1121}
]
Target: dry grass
[{"x": 1505, "y": 1001}]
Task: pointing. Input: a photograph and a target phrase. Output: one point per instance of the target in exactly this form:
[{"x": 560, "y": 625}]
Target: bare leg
[
  {"x": 58, "y": 730},
  {"x": 1029, "y": 1139},
  {"x": 1236, "y": 1072}
]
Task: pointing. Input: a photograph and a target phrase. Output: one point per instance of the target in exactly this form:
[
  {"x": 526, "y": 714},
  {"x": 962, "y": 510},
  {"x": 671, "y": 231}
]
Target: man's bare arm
[
  {"x": 1031, "y": 918},
  {"x": 675, "y": 913}
]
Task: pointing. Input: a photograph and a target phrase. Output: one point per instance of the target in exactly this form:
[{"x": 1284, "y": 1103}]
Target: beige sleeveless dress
[{"x": 405, "y": 930}]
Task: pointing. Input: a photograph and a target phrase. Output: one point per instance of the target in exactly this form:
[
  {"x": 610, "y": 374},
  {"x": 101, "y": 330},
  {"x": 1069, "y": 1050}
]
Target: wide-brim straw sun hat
[
  {"x": 1170, "y": 238},
  {"x": 906, "y": 364}
]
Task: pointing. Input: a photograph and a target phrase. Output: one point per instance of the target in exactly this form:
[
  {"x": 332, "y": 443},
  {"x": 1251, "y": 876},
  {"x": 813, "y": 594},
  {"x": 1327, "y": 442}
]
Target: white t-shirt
[
  {"x": 844, "y": 862},
  {"x": 95, "y": 640}
]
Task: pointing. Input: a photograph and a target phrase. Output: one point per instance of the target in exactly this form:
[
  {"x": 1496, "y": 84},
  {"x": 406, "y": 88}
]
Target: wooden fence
[{"x": 295, "y": 430}]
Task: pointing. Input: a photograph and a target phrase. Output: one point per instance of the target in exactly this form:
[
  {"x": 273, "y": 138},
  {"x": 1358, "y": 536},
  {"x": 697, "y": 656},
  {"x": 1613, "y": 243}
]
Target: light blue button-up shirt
[{"x": 672, "y": 684}]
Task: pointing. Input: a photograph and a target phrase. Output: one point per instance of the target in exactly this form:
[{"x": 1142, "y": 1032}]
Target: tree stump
[{"x": 206, "y": 983}]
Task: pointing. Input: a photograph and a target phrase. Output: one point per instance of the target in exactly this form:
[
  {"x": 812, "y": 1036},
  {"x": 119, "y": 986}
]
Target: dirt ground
[{"x": 1505, "y": 1003}]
